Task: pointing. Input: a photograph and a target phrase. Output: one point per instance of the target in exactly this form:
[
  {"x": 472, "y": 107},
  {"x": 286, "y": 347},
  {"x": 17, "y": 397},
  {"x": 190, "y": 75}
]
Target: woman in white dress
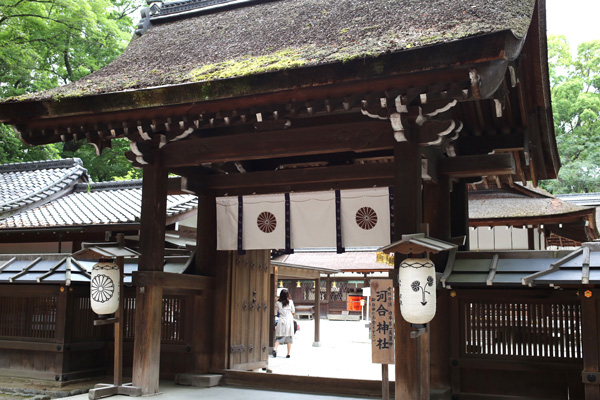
[{"x": 284, "y": 331}]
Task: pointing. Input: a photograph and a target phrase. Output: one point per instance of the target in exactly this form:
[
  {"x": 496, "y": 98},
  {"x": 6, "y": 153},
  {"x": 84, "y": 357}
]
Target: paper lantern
[
  {"x": 105, "y": 288},
  {"x": 417, "y": 290}
]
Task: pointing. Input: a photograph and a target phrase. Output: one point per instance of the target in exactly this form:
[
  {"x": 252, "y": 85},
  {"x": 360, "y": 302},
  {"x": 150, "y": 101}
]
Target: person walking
[{"x": 284, "y": 332}]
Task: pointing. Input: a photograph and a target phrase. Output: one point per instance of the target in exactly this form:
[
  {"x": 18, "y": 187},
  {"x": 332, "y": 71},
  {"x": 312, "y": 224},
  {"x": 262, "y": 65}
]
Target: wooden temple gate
[{"x": 425, "y": 118}]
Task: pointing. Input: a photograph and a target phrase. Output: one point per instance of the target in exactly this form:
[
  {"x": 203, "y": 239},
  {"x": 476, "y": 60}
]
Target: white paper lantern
[
  {"x": 105, "y": 288},
  {"x": 417, "y": 290}
]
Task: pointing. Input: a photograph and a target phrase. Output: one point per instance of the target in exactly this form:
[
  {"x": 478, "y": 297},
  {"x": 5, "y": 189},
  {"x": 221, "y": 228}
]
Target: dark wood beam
[
  {"x": 475, "y": 166},
  {"x": 339, "y": 177},
  {"x": 357, "y": 137},
  {"x": 283, "y": 181},
  {"x": 171, "y": 280},
  {"x": 472, "y": 145}
]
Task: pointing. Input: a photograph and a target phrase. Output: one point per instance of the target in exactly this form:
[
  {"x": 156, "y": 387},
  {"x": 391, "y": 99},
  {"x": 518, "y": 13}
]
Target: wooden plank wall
[{"x": 48, "y": 334}]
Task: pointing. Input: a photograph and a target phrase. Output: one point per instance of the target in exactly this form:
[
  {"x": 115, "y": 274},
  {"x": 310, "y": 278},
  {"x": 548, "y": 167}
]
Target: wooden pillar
[
  {"x": 530, "y": 239},
  {"x": 146, "y": 349},
  {"x": 206, "y": 265},
  {"x": 436, "y": 214},
  {"x": 62, "y": 333},
  {"x": 328, "y": 292},
  {"x": 271, "y": 311},
  {"x": 591, "y": 346},
  {"x": 411, "y": 354},
  {"x": 206, "y": 239},
  {"x": 436, "y": 210},
  {"x": 317, "y": 315},
  {"x": 460, "y": 213},
  {"x": 222, "y": 310}
]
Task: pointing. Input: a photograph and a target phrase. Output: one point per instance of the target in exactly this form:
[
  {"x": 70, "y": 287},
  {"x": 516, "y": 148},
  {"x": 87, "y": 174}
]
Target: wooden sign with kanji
[{"x": 382, "y": 321}]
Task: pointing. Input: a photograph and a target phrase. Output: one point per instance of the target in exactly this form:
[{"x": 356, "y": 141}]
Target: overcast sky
[{"x": 578, "y": 20}]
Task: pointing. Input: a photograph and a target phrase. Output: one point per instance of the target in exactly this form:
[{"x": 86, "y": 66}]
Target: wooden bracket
[
  {"x": 108, "y": 321},
  {"x": 419, "y": 329}
]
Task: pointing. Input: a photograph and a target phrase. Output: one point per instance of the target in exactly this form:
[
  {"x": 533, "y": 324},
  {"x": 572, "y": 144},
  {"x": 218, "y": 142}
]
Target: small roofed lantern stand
[
  {"x": 417, "y": 278},
  {"x": 106, "y": 294},
  {"x": 416, "y": 289}
]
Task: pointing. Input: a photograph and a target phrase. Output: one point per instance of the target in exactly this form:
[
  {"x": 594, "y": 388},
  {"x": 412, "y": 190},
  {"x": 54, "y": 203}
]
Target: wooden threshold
[{"x": 302, "y": 384}]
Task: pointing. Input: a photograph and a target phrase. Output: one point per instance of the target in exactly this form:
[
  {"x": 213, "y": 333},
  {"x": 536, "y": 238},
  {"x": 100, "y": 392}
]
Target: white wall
[
  {"x": 191, "y": 222},
  {"x": 503, "y": 238}
]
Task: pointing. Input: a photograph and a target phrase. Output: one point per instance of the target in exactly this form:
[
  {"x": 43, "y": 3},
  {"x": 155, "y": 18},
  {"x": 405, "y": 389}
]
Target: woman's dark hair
[{"x": 283, "y": 297}]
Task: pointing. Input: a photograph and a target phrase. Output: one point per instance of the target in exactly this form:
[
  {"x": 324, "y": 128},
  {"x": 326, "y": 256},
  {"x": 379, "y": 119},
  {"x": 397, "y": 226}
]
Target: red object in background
[{"x": 354, "y": 303}]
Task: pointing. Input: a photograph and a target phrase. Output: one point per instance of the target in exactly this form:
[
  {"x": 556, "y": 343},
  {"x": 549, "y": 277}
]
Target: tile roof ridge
[
  {"x": 159, "y": 11},
  {"x": 43, "y": 164},
  {"x": 73, "y": 173},
  {"x": 108, "y": 185}
]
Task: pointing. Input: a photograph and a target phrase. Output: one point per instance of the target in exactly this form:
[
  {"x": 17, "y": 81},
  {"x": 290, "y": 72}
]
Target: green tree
[
  {"x": 47, "y": 43},
  {"x": 13, "y": 150},
  {"x": 575, "y": 85},
  {"x": 110, "y": 165}
]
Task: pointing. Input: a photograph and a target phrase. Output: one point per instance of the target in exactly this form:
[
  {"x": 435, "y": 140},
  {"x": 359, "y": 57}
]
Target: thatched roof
[
  {"x": 522, "y": 203},
  {"x": 280, "y": 35}
]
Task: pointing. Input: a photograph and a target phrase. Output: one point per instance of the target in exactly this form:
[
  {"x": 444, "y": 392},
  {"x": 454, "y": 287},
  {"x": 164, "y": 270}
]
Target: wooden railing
[
  {"x": 523, "y": 329},
  {"x": 28, "y": 317},
  {"x": 172, "y": 321}
]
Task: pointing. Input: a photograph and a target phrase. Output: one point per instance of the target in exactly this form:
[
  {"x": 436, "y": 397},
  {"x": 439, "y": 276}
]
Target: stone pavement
[
  {"x": 170, "y": 391},
  {"x": 345, "y": 352}
]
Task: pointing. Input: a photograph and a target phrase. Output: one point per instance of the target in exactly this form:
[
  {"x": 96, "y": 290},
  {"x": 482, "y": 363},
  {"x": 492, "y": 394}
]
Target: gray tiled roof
[
  {"x": 580, "y": 267},
  {"x": 64, "y": 269},
  {"x": 582, "y": 199},
  {"x": 95, "y": 204},
  {"x": 27, "y": 185},
  {"x": 499, "y": 268}
]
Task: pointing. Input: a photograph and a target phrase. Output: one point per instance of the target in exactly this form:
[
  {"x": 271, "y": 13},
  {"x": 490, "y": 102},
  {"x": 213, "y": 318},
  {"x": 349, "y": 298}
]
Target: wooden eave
[
  {"x": 394, "y": 70},
  {"x": 76, "y": 232}
]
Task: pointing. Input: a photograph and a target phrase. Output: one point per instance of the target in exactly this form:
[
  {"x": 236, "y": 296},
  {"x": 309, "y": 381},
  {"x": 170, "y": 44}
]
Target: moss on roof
[
  {"x": 504, "y": 205},
  {"x": 288, "y": 34}
]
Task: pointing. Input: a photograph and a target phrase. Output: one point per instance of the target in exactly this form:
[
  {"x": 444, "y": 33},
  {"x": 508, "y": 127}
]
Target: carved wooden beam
[
  {"x": 355, "y": 137},
  {"x": 302, "y": 179}
]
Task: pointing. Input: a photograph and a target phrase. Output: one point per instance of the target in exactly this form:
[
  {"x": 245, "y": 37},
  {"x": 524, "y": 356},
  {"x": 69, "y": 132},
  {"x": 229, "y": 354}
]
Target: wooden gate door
[{"x": 250, "y": 315}]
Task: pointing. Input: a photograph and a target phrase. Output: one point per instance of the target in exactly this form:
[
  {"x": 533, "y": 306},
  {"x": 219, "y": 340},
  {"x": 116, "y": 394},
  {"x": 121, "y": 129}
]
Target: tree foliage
[
  {"x": 575, "y": 85},
  {"x": 47, "y": 43},
  {"x": 13, "y": 150}
]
